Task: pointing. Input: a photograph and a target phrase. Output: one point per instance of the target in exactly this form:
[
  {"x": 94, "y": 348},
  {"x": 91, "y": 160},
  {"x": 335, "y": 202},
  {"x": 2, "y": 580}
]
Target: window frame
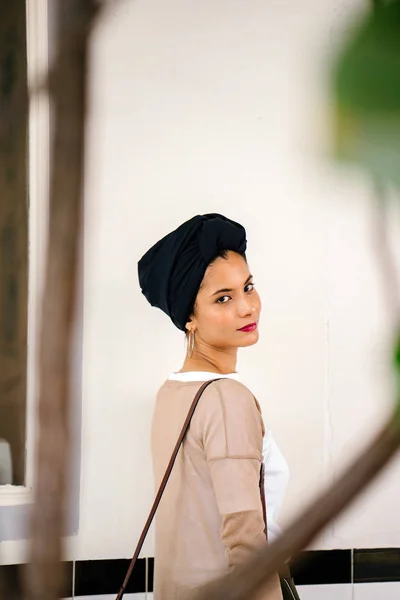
[
  {"x": 15, "y": 499},
  {"x": 37, "y": 200}
]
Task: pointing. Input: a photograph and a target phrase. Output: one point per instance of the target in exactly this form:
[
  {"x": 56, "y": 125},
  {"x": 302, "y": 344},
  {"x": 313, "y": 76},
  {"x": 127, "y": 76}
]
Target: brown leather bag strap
[
  {"x": 262, "y": 494},
  {"x": 163, "y": 484}
]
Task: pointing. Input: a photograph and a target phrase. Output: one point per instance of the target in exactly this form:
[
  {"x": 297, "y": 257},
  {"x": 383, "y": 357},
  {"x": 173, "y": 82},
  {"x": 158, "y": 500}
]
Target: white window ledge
[{"x": 14, "y": 495}]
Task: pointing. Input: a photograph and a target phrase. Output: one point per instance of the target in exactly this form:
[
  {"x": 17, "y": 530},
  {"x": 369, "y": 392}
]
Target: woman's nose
[{"x": 246, "y": 307}]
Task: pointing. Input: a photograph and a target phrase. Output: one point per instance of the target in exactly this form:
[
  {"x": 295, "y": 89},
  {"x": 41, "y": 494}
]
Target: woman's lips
[{"x": 248, "y": 328}]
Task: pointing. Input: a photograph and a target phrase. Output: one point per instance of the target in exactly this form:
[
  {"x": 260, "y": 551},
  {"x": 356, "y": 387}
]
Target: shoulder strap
[
  {"x": 163, "y": 484},
  {"x": 262, "y": 494}
]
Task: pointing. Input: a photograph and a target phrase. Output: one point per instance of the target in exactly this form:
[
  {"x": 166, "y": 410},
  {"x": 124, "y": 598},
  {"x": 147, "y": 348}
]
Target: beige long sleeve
[{"x": 232, "y": 438}]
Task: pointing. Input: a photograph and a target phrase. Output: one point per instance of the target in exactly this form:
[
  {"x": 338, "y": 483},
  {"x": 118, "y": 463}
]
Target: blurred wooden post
[{"x": 67, "y": 83}]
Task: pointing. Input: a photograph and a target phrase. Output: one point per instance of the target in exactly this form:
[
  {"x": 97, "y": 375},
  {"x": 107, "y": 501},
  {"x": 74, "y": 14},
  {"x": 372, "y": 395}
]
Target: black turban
[{"x": 170, "y": 273}]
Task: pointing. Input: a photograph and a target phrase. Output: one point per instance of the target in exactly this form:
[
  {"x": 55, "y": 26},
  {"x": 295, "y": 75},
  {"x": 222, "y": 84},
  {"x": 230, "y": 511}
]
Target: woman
[{"x": 211, "y": 517}]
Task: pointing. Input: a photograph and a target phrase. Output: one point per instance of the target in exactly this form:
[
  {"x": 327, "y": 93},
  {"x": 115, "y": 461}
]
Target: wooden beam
[{"x": 68, "y": 81}]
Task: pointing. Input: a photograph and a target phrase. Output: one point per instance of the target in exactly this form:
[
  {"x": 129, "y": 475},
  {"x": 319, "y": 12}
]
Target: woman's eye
[
  {"x": 249, "y": 287},
  {"x": 223, "y": 300}
]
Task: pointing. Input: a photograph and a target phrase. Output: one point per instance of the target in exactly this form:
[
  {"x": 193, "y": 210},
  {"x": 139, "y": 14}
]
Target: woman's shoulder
[
  {"x": 228, "y": 387},
  {"x": 225, "y": 392},
  {"x": 230, "y": 411},
  {"x": 232, "y": 394}
]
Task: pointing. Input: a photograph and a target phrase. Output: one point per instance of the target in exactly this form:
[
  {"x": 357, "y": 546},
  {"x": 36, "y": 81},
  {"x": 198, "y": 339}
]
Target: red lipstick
[{"x": 248, "y": 328}]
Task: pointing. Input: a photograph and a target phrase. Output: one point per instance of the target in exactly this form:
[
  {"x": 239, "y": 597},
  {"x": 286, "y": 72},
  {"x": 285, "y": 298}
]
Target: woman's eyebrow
[{"x": 230, "y": 290}]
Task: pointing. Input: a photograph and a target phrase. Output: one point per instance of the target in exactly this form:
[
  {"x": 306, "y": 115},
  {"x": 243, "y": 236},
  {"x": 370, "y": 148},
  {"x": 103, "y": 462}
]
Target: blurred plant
[
  {"x": 366, "y": 90},
  {"x": 366, "y": 97}
]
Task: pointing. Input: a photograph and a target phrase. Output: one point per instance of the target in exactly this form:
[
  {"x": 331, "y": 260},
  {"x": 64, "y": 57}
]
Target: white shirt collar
[{"x": 201, "y": 376}]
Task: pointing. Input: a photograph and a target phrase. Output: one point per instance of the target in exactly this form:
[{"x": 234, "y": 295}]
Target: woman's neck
[{"x": 216, "y": 362}]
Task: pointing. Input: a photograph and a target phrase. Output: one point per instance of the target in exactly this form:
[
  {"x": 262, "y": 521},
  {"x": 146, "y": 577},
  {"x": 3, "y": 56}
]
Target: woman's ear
[{"x": 190, "y": 325}]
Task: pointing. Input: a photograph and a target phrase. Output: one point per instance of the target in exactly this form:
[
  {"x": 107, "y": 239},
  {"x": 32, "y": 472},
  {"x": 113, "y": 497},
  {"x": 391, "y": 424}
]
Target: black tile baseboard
[
  {"x": 317, "y": 567},
  {"x": 379, "y": 564},
  {"x": 313, "y": 567},
  {"x": 96, "y": 577},
  {"x": 150, "y": 574}
]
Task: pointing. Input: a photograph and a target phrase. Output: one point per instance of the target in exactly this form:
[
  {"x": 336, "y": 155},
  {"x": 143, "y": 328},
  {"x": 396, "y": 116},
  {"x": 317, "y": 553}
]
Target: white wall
[{"x": 220, "y": 106}]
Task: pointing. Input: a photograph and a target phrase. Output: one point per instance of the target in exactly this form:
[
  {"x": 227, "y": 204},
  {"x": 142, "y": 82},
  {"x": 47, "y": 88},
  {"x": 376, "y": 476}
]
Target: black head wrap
[{"x": 170, "y": 273}]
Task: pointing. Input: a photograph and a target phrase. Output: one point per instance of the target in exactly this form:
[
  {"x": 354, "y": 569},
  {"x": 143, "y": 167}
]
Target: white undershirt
[{"x": 276, "y": 467}]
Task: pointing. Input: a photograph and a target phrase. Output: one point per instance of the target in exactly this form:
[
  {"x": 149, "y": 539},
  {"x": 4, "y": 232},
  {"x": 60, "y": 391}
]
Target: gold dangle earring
[{"x": 190, "y": 344}]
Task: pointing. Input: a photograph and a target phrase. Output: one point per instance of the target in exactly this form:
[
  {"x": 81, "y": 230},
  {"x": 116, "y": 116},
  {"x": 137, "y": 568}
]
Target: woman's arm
[{"x": 232, "y": 438}]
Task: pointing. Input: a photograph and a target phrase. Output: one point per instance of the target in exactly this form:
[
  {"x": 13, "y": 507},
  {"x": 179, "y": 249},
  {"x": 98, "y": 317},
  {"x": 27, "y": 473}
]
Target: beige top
[
  {"x": 276, "y": 468},
  {"x": 210, "y": 518}
]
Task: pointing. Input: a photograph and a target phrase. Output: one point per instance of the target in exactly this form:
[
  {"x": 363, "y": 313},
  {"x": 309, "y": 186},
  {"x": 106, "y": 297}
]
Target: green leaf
[
  {"x": 367, "y": 74},
  {"x": 366, "y": 91}
]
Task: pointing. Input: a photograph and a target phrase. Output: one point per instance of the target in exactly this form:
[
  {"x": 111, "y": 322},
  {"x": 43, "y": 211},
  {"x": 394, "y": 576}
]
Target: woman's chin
[{"x": 250, "y": 339}]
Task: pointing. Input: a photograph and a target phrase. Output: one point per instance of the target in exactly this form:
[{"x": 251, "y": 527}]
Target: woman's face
[{"x": 227, "y": 306}]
